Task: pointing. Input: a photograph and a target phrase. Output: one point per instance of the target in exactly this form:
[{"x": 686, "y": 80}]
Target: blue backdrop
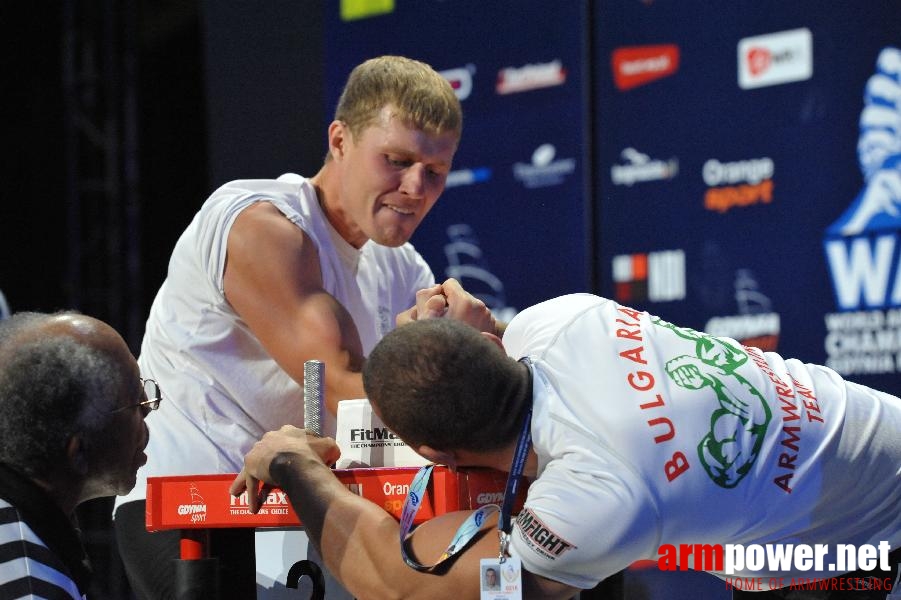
[
  {"x": 512, "y": 225},
  {"x": 735, "y": 168},
  {"x": 698, "y": 162},
  {"x": 722, "y": 177}
]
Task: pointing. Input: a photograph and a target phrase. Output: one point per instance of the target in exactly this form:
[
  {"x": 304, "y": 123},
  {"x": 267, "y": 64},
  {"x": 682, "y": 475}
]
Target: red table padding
[{"x": 204, "y": 502}]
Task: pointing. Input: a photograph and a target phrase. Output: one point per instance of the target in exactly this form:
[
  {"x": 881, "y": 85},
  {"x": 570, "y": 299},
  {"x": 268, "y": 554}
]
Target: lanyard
[
  {"x": 513, "y": 480},
  {"x": 471, "y": 526}
]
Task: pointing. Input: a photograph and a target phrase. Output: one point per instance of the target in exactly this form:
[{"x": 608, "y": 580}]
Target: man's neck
[
  {"x": 329, "y": 196},
  {"x": 500, "y": 459},
  {"x": 520, "y": 404}
]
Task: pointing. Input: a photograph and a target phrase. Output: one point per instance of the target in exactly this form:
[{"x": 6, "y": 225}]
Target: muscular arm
[
  {"x": 358, "y": 541},
  {"x": 273, "y": 281}
]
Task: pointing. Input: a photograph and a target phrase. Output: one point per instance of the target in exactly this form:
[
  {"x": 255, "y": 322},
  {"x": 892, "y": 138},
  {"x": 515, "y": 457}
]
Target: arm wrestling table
[{"x": 194, "y": 504}]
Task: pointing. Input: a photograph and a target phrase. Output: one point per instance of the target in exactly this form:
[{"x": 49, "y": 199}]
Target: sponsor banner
[
  {"x": 484, "y": 486},
  {"x": 760, "y": 330},
  {"x": 460, "y": 80},
  {"x": 366, "y": 442},
  {"x": 738, "y": 183},
  {"x": 639, "y": 168},
  {"x": 352, "y": 10},
  {"x": 634, "y": 66},
  {"x": 545, "y": 169},
  {"x": 775, "y": 58},
  {"x": 512, "y": 80},
  {"x": 756, "y": 324},
  {"x": 203, "y": 501},
  {"x": 464, "y": 177},
  {"x": 655, "y": 276}
]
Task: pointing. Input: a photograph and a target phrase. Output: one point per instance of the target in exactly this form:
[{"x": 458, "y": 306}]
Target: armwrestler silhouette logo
[
  {"x": 861, "y": 245},
  {"x": 738, "y": 426},
  {"x": 878, "y": 206}
]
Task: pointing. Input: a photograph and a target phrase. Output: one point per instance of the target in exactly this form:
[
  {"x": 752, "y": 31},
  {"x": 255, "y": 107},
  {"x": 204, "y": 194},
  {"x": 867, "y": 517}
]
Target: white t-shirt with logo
[
  {"x": 222, "y": 391},
  {"x": 649, "y": 434}
]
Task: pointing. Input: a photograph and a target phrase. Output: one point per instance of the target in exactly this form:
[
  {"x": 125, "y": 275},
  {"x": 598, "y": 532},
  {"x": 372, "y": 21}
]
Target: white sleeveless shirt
[{"x": 222, "y": 391}]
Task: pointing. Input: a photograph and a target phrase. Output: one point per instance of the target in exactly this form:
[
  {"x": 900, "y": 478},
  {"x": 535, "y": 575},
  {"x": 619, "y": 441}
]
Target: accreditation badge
[{"x": 500, "y": 580}]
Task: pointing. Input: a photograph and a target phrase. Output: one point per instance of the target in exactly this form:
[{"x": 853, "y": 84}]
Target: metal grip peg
[{"x": 313, "y": 394}]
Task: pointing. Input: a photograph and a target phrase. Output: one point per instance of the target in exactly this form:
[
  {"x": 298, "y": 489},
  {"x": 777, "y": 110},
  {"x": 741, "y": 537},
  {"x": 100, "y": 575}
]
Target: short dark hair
[
  {"x": 47, "y": 383},
  {"x": 439, "y": 382}
]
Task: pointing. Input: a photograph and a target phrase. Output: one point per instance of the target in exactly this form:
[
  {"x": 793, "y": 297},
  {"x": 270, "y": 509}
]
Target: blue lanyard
[
  {"x": 513, "y": 480},
  {"x": 516, "y": 470},
  {"x": 471, "y": 526}
]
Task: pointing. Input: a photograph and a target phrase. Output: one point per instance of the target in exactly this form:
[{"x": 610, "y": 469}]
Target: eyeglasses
[{"x": 151, "y": 391}]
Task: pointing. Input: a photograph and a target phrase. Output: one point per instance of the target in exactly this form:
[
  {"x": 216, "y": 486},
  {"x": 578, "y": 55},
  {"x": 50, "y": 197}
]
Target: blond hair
[{"x": 420, "y": 96}]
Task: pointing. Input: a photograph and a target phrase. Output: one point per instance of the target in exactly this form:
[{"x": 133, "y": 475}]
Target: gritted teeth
[{"x": 398, "y": 209}]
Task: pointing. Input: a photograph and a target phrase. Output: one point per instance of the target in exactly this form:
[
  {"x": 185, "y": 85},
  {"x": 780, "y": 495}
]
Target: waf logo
[
  {"x": 775, "y": 58},
  {"x": 863, "y": 245},
  {"x": 655, "y": 276},
  {"x": 634, "y": 66}
]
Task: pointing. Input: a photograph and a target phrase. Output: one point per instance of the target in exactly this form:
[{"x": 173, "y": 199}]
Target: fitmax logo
[{"x": 370, "y": 435}]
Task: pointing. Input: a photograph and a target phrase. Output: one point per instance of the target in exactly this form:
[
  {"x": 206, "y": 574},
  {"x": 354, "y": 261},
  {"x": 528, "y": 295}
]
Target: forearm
[
  {"x": 319, "y": 329},
  {"x": 357, "y": 540}
]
